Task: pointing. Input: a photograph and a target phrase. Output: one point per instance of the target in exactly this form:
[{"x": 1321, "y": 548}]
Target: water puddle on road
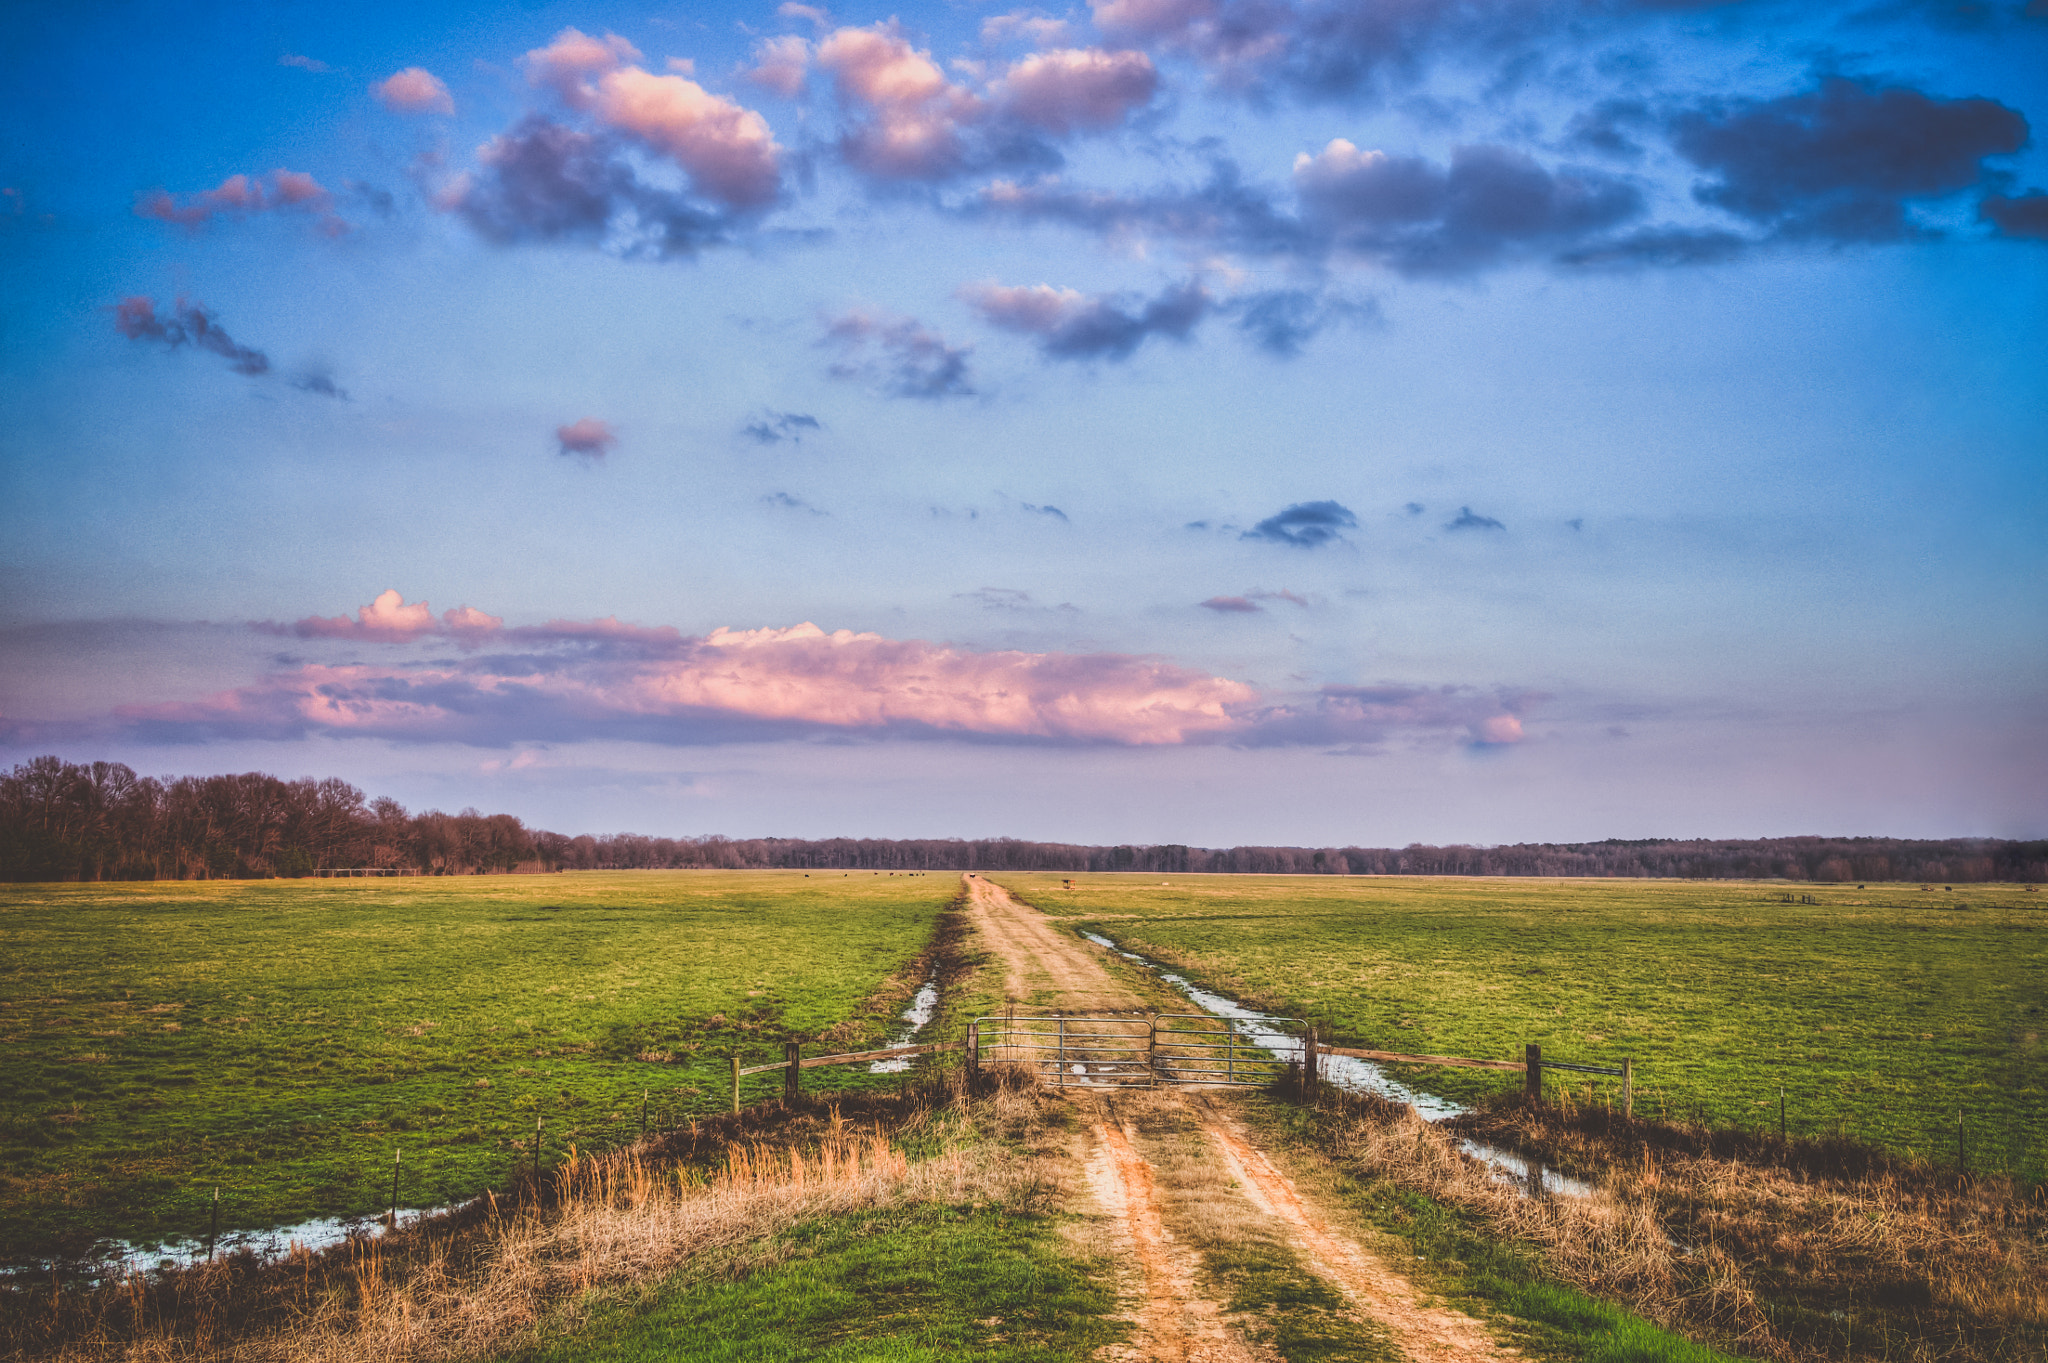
[{"x": 1362, "y": 1076}]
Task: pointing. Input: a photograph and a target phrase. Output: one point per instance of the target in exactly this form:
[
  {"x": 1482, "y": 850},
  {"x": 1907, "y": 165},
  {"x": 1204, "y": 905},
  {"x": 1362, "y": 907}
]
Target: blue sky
[{"x": 1185, "y": 420}]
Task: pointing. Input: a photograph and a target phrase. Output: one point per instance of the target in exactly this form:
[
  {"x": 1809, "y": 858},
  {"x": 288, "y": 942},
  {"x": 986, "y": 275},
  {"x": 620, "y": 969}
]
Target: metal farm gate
[{"x": 1143, "y": 1050}]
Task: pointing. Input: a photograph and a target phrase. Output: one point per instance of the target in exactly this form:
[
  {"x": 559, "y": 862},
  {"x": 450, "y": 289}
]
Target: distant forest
[{"x": 100, "y": 821}]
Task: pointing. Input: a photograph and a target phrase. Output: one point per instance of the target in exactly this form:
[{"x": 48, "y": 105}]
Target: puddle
[
  {"x": 114, "y": 1259},
  {"x": 922, "y": 1006},
  {"x": 1362, "y": 1076}
]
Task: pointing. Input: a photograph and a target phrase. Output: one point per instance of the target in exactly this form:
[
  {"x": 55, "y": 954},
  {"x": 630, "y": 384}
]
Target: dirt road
[
  {"x": 1044, "y": 967},
  {"x": 1187, "y": 1191}
]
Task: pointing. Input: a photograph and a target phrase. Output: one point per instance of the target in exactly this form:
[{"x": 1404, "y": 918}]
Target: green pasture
[
  {"x": 281, "y": 1039},
  {"x": 1883, "y": 1011}
]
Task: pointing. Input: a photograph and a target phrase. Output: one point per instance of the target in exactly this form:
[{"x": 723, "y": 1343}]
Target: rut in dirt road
[{"x": 1183, "y": 1214}]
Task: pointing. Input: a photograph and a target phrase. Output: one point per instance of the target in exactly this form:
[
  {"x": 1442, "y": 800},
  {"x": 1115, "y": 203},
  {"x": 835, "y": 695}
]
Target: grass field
[
  {"x": 1882, "y": 1011},
  {"x": 280, "y": 1039}
]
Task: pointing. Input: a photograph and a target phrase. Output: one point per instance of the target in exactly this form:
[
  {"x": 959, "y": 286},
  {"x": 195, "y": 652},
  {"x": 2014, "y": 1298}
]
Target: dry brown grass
[
  {"x": 496, "y": 1273},
  {"x": 1782, "y": 1250}
]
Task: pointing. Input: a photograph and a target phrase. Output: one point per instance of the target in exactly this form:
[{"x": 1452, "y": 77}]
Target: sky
[{"x": 1206, "y": 421}]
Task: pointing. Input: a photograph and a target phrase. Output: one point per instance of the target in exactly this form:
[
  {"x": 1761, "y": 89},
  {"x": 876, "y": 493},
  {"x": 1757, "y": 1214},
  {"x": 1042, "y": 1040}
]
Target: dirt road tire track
[{"x": 1046, "y": 966}]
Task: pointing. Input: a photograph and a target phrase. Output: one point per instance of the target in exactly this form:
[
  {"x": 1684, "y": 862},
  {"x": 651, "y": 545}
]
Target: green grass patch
[
  {"x": 915, "y": 1284},
  {"x": 280, "y": 1039},
  {"x": 1883, "y": 1011}
]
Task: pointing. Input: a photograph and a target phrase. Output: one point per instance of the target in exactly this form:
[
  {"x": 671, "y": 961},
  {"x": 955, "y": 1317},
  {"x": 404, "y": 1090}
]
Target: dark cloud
[
  {"x": 543, "y": 182},
  {"x": 1281, "y": 321},
  {"x": 1052, "y": 511},
  {"x": 589, "y": 437},
  {"x": 1842, "y": 162},
  {"x": 1012, "y": 600},
  {"x": 1305, "y": 525},
  {"x": 321, "y": 383},
  {"x": 1224, "y": 211},
  {"x": 1613, "y": 127},
  {"x": 1360, "y": 718},
  {"x": 899, "y": 355},
  {"x": 1071, "y": 325},
  {"x": 773, "y": 427},
  {"x": 1489, "y": 205},
  {"x": 1466, "y": 519},
  {"x": 2025, "y": 216},
  {"x": 187, "y": 324},
  {"x": 1415, "y": 508},
  {"x": 790, "y": 503},
  {"x": 1231, "y": 605}
]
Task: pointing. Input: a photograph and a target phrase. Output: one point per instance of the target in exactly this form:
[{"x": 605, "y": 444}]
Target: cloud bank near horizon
[{"x": 570, "y": 680}]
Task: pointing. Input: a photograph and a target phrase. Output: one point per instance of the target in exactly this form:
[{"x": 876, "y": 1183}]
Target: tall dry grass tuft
[
  {"x": 1777, "y": 1249},
  {"x": 486, "y": 1278}
]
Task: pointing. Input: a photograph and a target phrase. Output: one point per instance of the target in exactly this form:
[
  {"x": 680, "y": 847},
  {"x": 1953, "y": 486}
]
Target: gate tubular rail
[{"x": 1181, "y": 1049}]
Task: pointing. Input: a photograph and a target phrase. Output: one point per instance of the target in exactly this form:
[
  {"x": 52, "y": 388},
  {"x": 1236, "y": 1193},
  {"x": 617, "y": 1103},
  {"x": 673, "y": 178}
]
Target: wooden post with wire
[
  {"x": 536, "y": 1150},
  {"x": 1628, "y": 1088},
  {"x": 213, "y": 1229},
  {"x": 397, "y": 1161},
  {"x": 792, "y": 1085},
  {"x": 1532, "y": 1079},
  {"x": 735, "y": 1084}
]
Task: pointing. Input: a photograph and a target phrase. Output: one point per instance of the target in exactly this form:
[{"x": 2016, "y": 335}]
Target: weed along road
[{"x": 1202, "y": 1218}]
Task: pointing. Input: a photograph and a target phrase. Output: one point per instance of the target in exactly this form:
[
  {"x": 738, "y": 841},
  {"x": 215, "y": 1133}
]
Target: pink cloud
[
  {"x": 1500, "y": 730},
  {"x": 471, "y": 622},
  {"x": 387, "y": 618},
  {"x": 1150, "y": 18},
  {"x": 727, "y": 149},
  {"x": 242, "y": 195},
  {"x": 589, "y": 437},
  {"x": 415, "y": 90},
  {"x": 1231, "y": 605},
  {"x": 911, "y": 115},
  {"x": 606, "y": 678},
  {"x": 1033, "y": 27},
  {"x": 567, "y": 64},
  {"x": 781, "y": 64},
  {"x": 1077, "y": 89}
]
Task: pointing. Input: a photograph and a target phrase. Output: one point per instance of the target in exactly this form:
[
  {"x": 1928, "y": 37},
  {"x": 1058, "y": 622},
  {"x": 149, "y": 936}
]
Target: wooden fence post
[
  {"x": 397, "y": 1160},
  {"x": 973, "y": 1057},
  {"x": 213, "y": 1229},
  {"x": 1532, "y": 1081},
  {"x": 1628, "y": 1089},
  {"x": 735, "y": 1084},
  {"x": 1308, "y": 1063},
  {"x": 792, "y": 1084},
  {"x": 536, "y": 1150}
]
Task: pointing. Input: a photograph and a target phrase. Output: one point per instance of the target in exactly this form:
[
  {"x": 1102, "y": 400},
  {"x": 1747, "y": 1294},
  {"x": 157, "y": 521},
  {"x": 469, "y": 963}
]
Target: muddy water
[
  {"x": 1359, "y": 1076},
  {"x": 922, "y": 1007}
]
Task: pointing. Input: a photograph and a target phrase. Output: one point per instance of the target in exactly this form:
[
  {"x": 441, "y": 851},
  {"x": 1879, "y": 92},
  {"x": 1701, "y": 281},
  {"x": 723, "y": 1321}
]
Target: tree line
[{"x": 100, "y": 821}]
